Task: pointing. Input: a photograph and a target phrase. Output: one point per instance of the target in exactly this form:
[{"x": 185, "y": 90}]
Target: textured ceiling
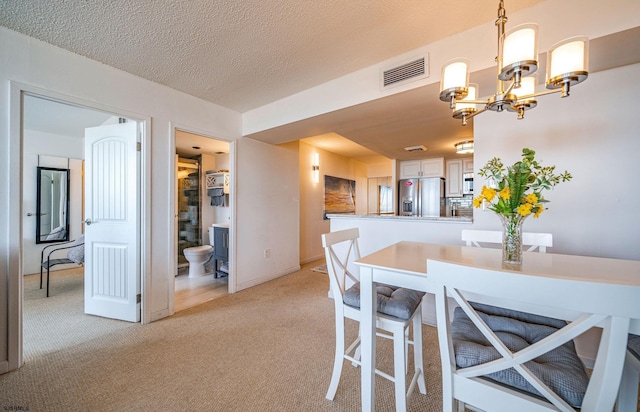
[{"x": 244, "y": 54}]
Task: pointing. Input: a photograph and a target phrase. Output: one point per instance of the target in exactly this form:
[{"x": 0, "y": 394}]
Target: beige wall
[{"x": 312, "y": 224}]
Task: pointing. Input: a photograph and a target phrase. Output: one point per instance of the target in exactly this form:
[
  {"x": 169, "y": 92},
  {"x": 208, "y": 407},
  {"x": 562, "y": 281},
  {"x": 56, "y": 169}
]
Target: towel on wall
[{"x": 217, "y": 196}]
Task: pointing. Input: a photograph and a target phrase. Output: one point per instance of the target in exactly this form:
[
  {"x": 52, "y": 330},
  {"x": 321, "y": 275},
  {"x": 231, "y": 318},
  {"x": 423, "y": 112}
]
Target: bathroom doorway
[{"x": 198, "y": 209}]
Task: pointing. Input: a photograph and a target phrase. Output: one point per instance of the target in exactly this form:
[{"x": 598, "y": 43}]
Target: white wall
[
  {"x": 594, "y": 135},
  {"x": 267, "y": 212}
]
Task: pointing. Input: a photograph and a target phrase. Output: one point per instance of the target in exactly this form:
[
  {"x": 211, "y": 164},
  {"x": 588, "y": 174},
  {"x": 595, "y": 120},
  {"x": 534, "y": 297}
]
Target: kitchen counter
[{"x": 446, "y": 219}]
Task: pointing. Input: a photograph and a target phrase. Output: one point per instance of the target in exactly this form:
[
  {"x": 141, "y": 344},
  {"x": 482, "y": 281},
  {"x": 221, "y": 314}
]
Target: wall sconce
[{"x": 316, "y": 168}]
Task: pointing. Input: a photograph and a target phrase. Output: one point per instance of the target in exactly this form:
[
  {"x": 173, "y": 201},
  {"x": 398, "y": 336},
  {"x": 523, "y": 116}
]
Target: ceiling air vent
[
  {"x": 414, "y": 70},
  {"x": 420, "y": 148}
]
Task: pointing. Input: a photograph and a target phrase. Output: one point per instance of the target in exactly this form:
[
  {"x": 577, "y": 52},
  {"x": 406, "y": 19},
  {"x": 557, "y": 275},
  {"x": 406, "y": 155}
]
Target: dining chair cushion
[
  {"x": 392, "y": 301},
  {"x": 522, "y": 316},
  {"x": 633, "y": 345},
  {"x": 560, "y": 369}
]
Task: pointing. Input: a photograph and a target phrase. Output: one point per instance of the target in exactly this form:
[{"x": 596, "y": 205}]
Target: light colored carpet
[{"x": 267, "y": 348}]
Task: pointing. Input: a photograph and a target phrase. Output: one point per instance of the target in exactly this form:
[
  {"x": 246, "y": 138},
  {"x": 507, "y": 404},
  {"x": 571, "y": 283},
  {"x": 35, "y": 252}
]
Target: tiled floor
[{"x": 190, "y": 292}]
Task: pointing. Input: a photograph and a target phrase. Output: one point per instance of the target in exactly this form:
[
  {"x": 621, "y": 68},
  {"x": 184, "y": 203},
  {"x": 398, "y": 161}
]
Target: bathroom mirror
[{"x": 52, "y": 205}]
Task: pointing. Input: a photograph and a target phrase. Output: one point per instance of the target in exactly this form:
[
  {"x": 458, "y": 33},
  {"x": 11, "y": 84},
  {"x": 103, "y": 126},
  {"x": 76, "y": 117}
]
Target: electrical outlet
[{"x": 267, "y": 253}]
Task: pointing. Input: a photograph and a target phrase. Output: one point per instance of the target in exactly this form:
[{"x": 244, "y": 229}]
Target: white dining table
[{"x": 404, "y": 264}]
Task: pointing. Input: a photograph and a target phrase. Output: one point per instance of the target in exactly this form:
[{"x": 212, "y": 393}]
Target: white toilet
[{"x": 197, "y": 256}]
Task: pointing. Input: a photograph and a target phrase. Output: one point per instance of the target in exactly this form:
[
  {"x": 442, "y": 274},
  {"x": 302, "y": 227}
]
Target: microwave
[{"x": 467, "y": 183}]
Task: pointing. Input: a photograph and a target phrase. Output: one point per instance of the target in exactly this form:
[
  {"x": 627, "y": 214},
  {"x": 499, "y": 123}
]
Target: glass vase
[{"x": 512, "y": 238}]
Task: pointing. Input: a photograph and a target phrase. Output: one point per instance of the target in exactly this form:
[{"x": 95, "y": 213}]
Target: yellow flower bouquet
[{"x": 514, "y": 193}]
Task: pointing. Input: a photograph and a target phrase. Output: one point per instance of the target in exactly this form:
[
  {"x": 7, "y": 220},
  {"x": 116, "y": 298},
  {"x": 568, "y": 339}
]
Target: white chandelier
[{"x": 517, "y": 61}]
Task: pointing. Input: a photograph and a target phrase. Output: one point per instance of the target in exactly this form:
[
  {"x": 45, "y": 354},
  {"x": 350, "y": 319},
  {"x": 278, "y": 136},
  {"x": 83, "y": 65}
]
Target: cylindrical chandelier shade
[
  {"x": 455, "y": 74},
  {"x": 567, "y": 57},
  {"x": 519, "y": 53},
  {"x": 520, "y": 44},
  {"x": 527, "y": 87},
  {"x": 472, "y": 95}
]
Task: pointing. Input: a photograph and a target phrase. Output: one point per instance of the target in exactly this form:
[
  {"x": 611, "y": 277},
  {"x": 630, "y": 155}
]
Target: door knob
[{"x": 87, "y": 221}]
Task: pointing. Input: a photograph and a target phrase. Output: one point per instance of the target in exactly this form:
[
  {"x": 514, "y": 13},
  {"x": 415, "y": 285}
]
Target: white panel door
[{"x": 112, "y": 261}]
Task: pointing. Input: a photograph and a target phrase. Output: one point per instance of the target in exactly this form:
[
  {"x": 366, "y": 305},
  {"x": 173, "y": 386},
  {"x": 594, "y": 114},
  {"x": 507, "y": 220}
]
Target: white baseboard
[
  {"x": 313, "y": 259},
  {"x": 266, "y": 278},
  {"x": 159, "y": 315}
]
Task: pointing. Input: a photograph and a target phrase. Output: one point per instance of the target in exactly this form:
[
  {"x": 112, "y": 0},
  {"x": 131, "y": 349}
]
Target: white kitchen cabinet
[
  {"x": 456, "y": 168},
  {"x": 422, "y": 168},
  {"x": 453, "y": 186},
  {"x": 467, "y": 165}
]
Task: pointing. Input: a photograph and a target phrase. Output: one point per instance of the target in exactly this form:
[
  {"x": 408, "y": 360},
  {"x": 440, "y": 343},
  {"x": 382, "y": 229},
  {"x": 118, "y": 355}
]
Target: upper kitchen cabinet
[
  {"x": 454, "y": 178},
  {"x": 459, "y": 170},
  {"x": 467, "y": 165},
  {"x": 422, "y": 168}
]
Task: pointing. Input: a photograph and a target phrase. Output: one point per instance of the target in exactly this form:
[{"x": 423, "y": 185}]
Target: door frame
[
  {"x": 173, "y": 126},
  {"x": 16, "y": 285}
]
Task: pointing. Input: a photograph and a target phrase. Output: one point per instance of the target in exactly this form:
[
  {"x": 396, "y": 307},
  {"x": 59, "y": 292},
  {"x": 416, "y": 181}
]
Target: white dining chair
[
  {"x": 628, "y": 395},
  {"x": 539, "y": 241},
  {"x": 398, "y": 308},
  {"x": 509, "y": 346}
]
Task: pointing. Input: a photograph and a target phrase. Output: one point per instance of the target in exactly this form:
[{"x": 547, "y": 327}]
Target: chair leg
[
  {"x": 417, "y": 350},
  {"x": 356, "y": 355},
  {"x": 628, "y": 392},
  {"x": 40, "y": 276},
  {"x": 449, "y": 404},
  {"x": 339, "y": 359},
  {"x": 407, "y": 336},
  {"x": 399, "y": 370},
  {"x": 47, "y": 282}
]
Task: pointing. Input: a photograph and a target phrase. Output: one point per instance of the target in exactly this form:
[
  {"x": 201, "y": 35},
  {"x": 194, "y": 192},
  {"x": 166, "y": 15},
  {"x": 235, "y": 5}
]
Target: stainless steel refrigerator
[{"x": 421, "y": 197}]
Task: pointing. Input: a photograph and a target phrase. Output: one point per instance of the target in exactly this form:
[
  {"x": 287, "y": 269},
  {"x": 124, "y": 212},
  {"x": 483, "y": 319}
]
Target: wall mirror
[{"x": 52, "y": 205}]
